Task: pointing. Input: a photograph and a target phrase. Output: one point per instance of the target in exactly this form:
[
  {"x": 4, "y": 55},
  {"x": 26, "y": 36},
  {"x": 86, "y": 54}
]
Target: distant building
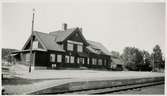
[
  {"x": 116, "y": 64},
  {"x": 66, "y": 48}
]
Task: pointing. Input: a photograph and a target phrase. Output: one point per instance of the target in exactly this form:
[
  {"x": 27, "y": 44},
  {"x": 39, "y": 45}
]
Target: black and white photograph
[{"x": 82, "y": 47}]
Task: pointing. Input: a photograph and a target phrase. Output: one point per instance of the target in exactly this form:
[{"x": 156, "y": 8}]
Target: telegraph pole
[
  {"x": 31, "y": 55},
  {"x": 153, "y": 64}
]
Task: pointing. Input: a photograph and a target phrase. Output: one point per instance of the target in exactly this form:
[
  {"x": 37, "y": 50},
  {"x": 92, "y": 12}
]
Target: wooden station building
[{"x": 66, "y": 48}]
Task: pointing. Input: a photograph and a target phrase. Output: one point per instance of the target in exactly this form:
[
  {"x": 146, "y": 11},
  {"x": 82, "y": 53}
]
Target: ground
[
  {"x": 84, "y": 74},
  {"x": 44, "y": 78}
]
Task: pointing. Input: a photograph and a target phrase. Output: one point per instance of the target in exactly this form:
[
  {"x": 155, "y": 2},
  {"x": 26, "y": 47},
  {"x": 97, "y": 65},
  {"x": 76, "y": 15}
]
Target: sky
[{"x": 115, "y": 25}]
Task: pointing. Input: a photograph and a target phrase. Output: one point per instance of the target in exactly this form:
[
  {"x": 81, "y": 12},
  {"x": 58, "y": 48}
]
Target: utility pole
[
  {"x": 31, "y": 55},
  {"x": 153, "y": 64}
]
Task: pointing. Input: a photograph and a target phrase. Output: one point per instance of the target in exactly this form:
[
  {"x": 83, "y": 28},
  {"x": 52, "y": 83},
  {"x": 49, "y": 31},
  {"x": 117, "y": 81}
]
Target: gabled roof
[
  {"x": 61, "y": 35},
  {"x": 97, "y": 46},
  {"x": 50, "y": 41}
]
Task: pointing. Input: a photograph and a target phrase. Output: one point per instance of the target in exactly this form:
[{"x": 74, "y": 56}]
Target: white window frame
[
  {"x": 72, "y": 59},
  {"x": 79, "y": 48},
  {"x": 88, "y": 61},
  {"x": 35, "y": 44},
  {"x": 78, "y": 60},
  {"x": 70, "y": 46},
  {"x": 83, "y": 60},
  {"x": 59, "y": 58},
  {"x": 94, "y": 61},
  {"x": 67, "y": 59},
  {"x": 52, "y": 57}
]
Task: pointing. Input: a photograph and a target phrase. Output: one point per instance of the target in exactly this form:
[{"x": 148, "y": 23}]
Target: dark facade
[{"x": 65, "y": 48}]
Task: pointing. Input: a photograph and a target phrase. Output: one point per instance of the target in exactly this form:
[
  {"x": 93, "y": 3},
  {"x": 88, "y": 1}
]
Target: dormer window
[
  {"x": 70, "y": 47},
  {"x": 80, "y": 48},
  {"x": 76, "y": 35},
  {"x": 35, "y": 45}
]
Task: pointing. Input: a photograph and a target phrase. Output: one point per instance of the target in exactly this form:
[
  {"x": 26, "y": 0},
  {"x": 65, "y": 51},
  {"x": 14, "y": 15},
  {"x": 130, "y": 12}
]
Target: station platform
[{"x": 55, "y": 81}]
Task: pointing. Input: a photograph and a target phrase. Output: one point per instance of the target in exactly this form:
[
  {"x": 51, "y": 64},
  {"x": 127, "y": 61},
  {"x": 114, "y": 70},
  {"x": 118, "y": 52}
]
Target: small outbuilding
[{"x": 116, "y": 64}]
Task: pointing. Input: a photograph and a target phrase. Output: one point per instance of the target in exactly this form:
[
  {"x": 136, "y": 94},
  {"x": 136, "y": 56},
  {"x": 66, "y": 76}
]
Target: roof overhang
[
  {"x": 83, "y": 55},
  {"x": 29, "y": 51},
  {"x": 29, "y": 40}
]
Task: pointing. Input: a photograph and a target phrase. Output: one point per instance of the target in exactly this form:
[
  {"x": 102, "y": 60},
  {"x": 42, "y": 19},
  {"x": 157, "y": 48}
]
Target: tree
[
  {"x": 6, "y": 54},
  {"x": 146, "y": 62},
  {"x": 132, "y": 58},
  {"x": 156, "y": 57}
]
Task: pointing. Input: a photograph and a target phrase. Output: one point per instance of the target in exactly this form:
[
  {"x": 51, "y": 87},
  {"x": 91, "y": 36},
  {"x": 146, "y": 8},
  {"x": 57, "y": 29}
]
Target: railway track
[{"x": 113, "y": 89}]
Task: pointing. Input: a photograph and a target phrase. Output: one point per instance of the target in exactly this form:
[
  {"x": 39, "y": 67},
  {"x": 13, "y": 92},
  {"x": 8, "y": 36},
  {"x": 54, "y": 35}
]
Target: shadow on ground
[{"x": 19, "y": 81}]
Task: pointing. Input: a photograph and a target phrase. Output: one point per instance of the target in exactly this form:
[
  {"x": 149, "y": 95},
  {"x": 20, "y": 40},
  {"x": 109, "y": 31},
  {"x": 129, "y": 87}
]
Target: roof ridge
[
  {"x": 63, "y": 30},
  {"x": 40, "y": 32},
  {"x": 95, "y": 41}
]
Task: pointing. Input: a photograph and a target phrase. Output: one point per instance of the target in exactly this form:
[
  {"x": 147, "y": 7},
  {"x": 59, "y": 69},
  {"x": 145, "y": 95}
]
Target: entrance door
[{"x": 80, "y": 60}]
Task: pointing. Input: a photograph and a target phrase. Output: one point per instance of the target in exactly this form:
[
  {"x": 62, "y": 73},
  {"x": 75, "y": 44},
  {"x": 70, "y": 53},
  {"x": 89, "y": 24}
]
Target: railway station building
[{"x": 66, "y": 48}]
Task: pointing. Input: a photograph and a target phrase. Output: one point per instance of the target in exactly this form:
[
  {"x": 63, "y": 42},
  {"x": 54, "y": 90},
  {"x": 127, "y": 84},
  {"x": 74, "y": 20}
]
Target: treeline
[
  {"x": 140, "y": 60},
  {"x": 6, "y": 54}
]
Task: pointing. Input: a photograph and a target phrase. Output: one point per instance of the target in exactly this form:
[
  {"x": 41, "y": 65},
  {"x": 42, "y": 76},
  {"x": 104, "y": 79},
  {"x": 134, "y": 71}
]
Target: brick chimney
[{"x": 64, "y": 26}]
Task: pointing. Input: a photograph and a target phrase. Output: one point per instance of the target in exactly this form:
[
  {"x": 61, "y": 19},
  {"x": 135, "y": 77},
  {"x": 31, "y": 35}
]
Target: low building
[
  {"x": 66, "y": 48},
  {"x": 116, "y": 64}
]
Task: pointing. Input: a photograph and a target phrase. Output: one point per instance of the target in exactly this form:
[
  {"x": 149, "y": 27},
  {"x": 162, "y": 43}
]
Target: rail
[{"x": 112, "y": 89}]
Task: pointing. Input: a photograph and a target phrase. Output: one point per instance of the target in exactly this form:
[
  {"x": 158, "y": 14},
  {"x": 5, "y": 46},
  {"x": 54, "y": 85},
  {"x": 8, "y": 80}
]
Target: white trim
[
  {"x": 75, "y": 42},
  {"x": 38, "y": 39},
  {"x": 70, "y": 46},
  {"x": 26, "y": 42}
]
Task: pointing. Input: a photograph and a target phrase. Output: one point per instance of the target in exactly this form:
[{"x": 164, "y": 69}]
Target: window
[
  {"x": 76, "y": 35},
  {"x": 35, "y": 45},
  {"x": 87, "y": 60},
  {"x": 94, "y": 61},
  {"x": 79, "y": 48},
  {"x": 27, "y": 57},
  {"x": 67, "y": 59},
  {"x": 59, "y": 58},
  {"x": 72, "y": 59},
  {"x": 80, "y": 60},
  {"x": 105, "y": 62},
  {"x": 70, "y": 46},
  {"x": 100, "y": 61},
  {"x": 52, "y": 57}
]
